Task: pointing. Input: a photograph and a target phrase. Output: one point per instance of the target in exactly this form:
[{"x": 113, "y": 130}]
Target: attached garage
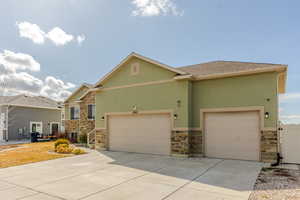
[
  {"x": 140, "y": 133},
  {"x": 219, "y": 109},
  {"x": 232, "y": 135}
]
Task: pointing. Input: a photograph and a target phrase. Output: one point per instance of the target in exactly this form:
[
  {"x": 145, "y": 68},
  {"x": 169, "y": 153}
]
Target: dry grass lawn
[{"x": 27, "y": 153}]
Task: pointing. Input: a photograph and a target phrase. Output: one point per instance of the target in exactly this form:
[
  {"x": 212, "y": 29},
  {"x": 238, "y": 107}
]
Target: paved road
[{"x": 117, "y": 175}]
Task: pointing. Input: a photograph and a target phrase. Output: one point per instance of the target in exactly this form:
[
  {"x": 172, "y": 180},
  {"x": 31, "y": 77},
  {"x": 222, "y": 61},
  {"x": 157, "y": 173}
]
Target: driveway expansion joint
[
  {"x": 184, "y": 185},
  {"x": 103, "y": 190}
]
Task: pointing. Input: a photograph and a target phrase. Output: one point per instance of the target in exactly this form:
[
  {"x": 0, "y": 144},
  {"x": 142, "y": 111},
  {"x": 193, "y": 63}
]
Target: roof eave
[
  {"x": 30, "y": 106},
  {"x": 282, "y": 82},
  {"x": 77, "y": 90}
]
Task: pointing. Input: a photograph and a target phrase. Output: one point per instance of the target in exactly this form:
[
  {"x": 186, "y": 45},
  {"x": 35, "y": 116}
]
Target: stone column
[
  {"x": 196, "y": 143},
  {"x": 180, "y": 143},
  {"x": 269, "y": 146}
]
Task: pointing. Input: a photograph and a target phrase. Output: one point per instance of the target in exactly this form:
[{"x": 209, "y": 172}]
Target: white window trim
[
  {"x": 88, "y": 112},
  {"x": 32, "y": 122},
  {"x": 58, "y": 123}
]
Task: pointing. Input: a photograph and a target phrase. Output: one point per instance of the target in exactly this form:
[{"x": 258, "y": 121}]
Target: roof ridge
[
  {"x": 263, "y": 63},
  {"x": 229, "y": 61}
]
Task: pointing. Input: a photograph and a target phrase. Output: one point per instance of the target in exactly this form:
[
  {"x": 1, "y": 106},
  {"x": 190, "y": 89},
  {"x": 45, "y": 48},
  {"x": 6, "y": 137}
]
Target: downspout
[{"x": 278, "y": 128}]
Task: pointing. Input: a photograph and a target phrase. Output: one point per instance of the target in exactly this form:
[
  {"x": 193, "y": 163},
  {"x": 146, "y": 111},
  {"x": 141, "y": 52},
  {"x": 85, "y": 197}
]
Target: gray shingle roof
[
  {"x": 225, "y": 67},
  {"x": 26, "y": 100}
]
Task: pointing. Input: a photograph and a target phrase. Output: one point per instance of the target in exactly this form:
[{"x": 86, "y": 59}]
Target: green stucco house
[{"x": 217, "y": 109}]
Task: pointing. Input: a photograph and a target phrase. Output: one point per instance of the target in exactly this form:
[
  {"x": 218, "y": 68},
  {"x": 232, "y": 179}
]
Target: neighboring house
[
  {"x": 217, "y": 109},
  {"x": 79, "y": 114},
  {"x": 22, "y": 114}
]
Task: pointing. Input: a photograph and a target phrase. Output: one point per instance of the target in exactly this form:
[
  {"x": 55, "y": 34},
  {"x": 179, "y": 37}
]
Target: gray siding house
[{"x": 22, "y": 114}]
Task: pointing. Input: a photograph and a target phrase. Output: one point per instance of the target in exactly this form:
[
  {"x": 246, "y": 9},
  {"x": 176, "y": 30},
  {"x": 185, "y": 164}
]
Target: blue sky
[{"x": 175, "y": 32}]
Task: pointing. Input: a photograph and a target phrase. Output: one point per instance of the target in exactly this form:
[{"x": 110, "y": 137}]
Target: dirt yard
[
  {"x": 12, "y": 155},
  {"x": 277, "y": 184}
]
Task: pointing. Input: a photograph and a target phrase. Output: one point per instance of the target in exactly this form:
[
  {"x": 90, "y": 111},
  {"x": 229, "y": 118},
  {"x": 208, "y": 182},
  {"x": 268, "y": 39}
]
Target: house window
[
  {"x": 135, "y": 68},
  {"x": 36, "y": 127},
  {"x": 91, "y": 111},
  {"x": 74, "y": 112}
]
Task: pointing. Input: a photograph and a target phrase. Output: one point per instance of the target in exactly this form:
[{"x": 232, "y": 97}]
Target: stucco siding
[
  {"x": 243, "y": 91},
  {"x": 145, "y": 98},
  {"x": 20, "y": 117},
  {"x": 148, "y": 72},
  {"x": 78, "y": 94}
]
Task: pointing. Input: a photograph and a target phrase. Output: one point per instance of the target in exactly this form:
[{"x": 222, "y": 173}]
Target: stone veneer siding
[
  {"x": 196, "y": 143},
  {"x": 269, "y": 146},
  {"x": 189, "y": 143},
  {"x": 72, "y": 126},
  {"x": 180, "y": 143},
  {"x": 86, "y": 125}
]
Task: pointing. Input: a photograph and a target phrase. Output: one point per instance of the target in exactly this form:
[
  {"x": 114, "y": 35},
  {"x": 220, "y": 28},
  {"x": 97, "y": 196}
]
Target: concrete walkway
[{"x": 117, "y": 175}]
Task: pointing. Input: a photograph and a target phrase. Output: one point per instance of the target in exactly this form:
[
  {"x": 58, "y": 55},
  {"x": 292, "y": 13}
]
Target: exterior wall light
[
  {"x": 102, "y": 118},
  {"x": 267, "y": 115},
  {"x": 134, "y": 110},
  {"x": 175, "y": 116}
]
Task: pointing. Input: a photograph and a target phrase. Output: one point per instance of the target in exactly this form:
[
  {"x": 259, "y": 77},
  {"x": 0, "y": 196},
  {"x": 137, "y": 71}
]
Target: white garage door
[
  {"x": 232, "y": 135},
  {"x": 290, "y": 140},
  {"x": 140, "y": 133}
]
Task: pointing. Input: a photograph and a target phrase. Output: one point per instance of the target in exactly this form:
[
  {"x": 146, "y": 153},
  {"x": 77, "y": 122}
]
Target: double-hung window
[
  {"x": 91, "y": 111},
  {"x": 74, "y": 112}
]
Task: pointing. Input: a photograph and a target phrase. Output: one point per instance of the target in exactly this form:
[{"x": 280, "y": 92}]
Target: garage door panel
[
  {"x": 140, "y": 133},
  {"x": 233, "y": 135}
]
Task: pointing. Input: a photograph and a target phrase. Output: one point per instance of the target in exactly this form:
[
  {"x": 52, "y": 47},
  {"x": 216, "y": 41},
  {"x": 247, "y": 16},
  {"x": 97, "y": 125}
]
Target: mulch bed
[{"x": 277, "y": 184}]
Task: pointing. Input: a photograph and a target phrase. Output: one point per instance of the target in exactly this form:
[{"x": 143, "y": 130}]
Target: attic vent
[{"x": 135, "y": 68}]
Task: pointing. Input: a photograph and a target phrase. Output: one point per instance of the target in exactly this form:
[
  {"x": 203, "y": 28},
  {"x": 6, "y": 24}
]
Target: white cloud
[
  {"x": 56, "y": 88},
  {"x": 80, "y": 39},
  {"x": 289, "y": 97},
  {"x": 290, "y": 119},
  {"x": 13, "y": 79},
  {"x": 59, "y": 37},
  {"x": 155, "y": 8},
  {"x": 21, "y": 82},
  {"x": 18, "y": 61},
  {"x": 32, "y": 32}
]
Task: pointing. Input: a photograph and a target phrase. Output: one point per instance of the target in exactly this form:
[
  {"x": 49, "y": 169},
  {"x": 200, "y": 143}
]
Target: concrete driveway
[{"x": 118, "y": 175}]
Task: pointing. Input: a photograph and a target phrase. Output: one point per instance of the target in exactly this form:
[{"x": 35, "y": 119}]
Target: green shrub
[
  {"x": 61, "y": 141},
  {"x": 78, "y": 151},
  {"x": 64, "y": 148},
  {"x": 82, "y": 138}
]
